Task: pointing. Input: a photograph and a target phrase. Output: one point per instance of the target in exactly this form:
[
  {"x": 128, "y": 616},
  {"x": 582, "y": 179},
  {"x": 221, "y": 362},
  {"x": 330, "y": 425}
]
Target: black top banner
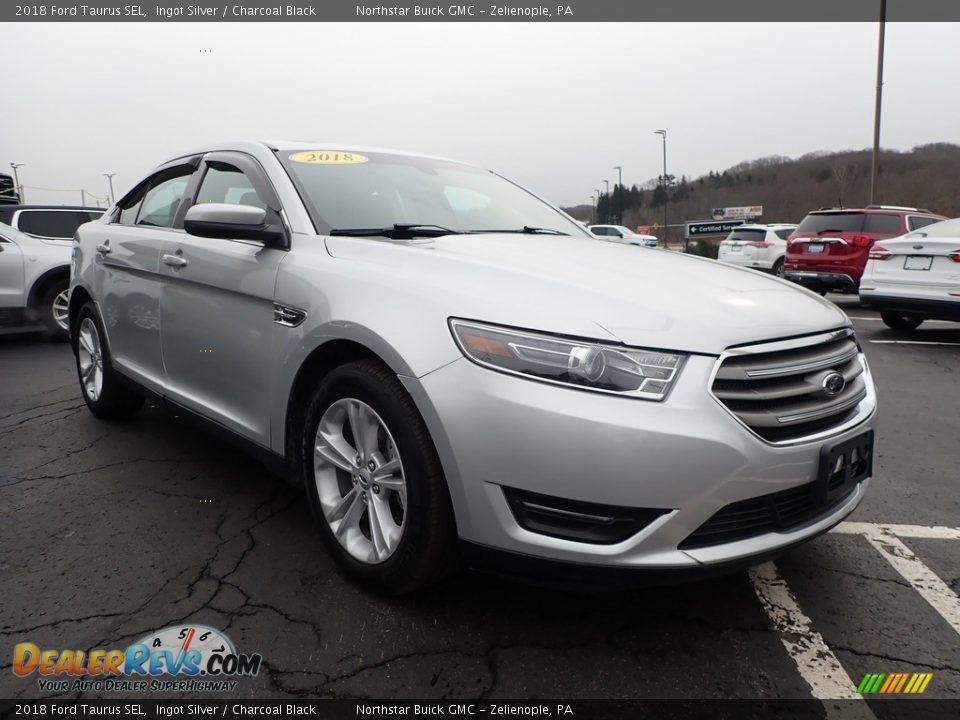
[{"x": 740, "y": 11}]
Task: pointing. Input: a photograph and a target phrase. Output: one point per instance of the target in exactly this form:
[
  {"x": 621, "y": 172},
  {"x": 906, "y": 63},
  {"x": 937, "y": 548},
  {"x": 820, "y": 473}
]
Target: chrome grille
[{"x": 783, "y": 395}]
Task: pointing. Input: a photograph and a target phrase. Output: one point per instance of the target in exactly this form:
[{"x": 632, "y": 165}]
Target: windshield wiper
[
  {"x": 526, "y": 230},
  {"x": 821, "y": 232},
  {"x": 398, "y": 231}
]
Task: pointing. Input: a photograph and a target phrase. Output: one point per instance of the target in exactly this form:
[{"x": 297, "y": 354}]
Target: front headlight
[{"x": 640, "y": 373}]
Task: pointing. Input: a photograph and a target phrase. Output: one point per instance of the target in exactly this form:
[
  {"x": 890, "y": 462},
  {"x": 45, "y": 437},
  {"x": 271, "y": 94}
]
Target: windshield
[{"x": 346, "y": 191}]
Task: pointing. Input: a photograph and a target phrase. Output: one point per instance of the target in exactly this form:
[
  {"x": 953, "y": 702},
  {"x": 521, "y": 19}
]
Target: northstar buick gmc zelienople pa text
[{"x": 454, "y": 368}]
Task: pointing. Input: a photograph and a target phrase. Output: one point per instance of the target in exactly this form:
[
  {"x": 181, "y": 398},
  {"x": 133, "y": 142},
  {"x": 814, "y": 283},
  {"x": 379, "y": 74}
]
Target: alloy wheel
[
  {"x": 360, "y": 480},
  {"x": 61, "y": 309},
  {"x": 90, "y": 359}
]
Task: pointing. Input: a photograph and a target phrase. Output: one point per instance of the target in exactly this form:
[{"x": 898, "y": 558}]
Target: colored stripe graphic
[{"x": 894, "y": 683}]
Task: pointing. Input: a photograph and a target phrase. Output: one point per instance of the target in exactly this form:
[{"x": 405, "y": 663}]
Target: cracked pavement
[{"x": 110, "y": 531}]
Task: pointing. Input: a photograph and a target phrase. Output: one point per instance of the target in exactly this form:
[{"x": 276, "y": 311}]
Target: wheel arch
[
  {"x": 318, "y": 363},
  {"x": 44, "y": 281}
]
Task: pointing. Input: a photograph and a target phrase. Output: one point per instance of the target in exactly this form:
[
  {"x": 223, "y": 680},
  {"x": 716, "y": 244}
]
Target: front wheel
[
  {"x": 374, "y": 481},
  {"x": 900, "y": 322},
  {"x": 102, "y": 389}
]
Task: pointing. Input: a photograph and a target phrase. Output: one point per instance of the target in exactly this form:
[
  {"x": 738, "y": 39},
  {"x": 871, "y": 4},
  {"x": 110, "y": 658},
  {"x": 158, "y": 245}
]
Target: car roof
[{"x": 255, "y": 147}]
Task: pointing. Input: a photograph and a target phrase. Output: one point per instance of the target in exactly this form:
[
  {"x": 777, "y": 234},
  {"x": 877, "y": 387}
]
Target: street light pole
[
  {"x": 109, "y": 177},
  {"x": 874, "y": 171},
  {"x": 593, "y": 209},
  {"x": 16, "y": 181},
  {"x": 606, "y": 184},
  {"x": 620, "y": 197},
  {"x": 666, "y": 197}
]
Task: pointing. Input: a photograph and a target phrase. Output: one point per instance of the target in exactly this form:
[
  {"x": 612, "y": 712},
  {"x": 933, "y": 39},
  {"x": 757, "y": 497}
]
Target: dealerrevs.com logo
[{"x": 179, "y": 658}]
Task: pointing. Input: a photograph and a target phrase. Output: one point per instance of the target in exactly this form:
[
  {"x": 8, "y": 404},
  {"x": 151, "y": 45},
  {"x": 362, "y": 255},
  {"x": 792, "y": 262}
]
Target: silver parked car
[
  {"x": 438, "y": 355},
  {"x": 34, "y": 280}
]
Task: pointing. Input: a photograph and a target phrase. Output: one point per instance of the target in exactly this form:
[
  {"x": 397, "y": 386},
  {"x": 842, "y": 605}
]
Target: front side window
[
  {"x": 225, "y": 183},
  {"x": 350, "y": 191}
]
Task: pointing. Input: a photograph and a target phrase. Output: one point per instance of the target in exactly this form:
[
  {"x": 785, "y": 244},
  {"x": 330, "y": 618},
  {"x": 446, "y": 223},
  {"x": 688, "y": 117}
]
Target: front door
[{"x": 218, "y": 330}]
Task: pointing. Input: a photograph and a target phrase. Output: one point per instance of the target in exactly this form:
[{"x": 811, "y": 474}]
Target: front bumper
[
  {"x": 688, "y": 456},
  {"x": 822, "y": 281}
]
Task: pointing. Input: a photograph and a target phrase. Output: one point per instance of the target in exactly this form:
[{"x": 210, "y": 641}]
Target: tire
[
  {"x": 101, "y": 387},
  {"x": 53, "y": 310},
  {"x": 408, "y": 511},
  {"x": 895, "y": 321},
  {"x": 777, "y": 268}
]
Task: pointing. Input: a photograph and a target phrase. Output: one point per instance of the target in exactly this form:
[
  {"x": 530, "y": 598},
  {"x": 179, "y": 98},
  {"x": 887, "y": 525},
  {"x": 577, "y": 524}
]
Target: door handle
[
  {"x": 174, "y": 261},
  {"x": 104, "y": 248}
]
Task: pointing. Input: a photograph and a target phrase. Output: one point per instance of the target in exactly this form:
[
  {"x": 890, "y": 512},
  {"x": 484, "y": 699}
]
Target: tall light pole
[
  {"x": 663, "y": 134},
  {"x": 16, "y": 180},
  {"x": 109, "y": 177},
  {"x": 874, "y": 171},
  {"x": 593, "y": 209},
  {"x": 606, "y": 184},
  {"x": 620, "y": 203}
]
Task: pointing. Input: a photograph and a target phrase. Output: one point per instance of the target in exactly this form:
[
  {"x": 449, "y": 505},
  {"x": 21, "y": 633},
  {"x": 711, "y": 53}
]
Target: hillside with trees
[{"x": 928, "y": 176}]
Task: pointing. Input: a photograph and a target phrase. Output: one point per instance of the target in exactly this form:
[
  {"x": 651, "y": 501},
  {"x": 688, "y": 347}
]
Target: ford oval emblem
[{"x": 834, "y": 383}]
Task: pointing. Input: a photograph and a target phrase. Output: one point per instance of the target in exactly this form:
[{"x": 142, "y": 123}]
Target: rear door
[
  {"x": 127, "y": 281},
  {"x": 217, "y": 306}
]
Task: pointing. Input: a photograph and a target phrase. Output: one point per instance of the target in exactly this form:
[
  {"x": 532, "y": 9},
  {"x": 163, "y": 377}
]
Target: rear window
[
  {"x": 54, "y": 223},
  {"x": 837, "y": 222},
  {"x": 850, "y": 222},
  {"x": 889, "y": 224},
  {"x": 747, "y": 235}
]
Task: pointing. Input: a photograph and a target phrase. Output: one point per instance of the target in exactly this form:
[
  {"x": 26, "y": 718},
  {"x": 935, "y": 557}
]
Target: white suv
[
  {"x": 34, "y": 280},
  {"x": 761, "y": 247}
]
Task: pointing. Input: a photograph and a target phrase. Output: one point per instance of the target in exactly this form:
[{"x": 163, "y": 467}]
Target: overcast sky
[{"x": 551, "y": 106}]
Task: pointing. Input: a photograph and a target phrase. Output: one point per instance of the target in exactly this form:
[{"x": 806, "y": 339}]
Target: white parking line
[
  {"x": 815, "y": 661},
  {"x": 817, "y": 664},
  {"x": 926, "y": 582},
  {"x": 911, "y": 342},
  {"x": 936, "y": 532}
]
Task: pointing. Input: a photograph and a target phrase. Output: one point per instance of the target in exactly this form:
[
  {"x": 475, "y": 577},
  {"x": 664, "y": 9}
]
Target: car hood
[{"x": 597, "y": 289}]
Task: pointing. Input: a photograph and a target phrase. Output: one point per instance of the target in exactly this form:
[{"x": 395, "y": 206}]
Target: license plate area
[
  {"x": 736, "y": 248},
  {"x": 815, "y": 248},
  {"x": 843, "y": 466},
  {"x": 917, "y": 262}
]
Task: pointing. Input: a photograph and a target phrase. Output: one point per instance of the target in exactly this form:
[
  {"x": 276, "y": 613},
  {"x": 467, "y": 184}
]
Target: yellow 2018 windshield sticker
[{"x": 328, "y": 157}]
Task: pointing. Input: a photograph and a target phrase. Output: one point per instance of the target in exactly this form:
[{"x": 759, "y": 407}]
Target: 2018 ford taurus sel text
[{"x": 439, "y": 355}]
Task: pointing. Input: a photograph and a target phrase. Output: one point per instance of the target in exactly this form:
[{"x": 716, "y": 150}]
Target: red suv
[{"x": 828, "y": 250}]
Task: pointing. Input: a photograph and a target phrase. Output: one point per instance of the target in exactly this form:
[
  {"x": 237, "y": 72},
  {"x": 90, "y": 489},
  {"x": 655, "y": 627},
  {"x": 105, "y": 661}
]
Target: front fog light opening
[{"x": 632, "y": 372}]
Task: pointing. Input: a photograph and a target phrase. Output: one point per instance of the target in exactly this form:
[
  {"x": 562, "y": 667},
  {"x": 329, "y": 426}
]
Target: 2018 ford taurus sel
[{"x": 438, "y": 355}]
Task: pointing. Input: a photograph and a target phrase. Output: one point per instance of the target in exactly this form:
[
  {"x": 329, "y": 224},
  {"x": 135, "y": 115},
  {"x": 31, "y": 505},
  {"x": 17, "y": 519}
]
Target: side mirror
[{"x": 234, "y": 222}]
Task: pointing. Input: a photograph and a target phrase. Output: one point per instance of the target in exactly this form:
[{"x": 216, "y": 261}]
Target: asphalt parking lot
[{"x": 108, "y": 532}]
